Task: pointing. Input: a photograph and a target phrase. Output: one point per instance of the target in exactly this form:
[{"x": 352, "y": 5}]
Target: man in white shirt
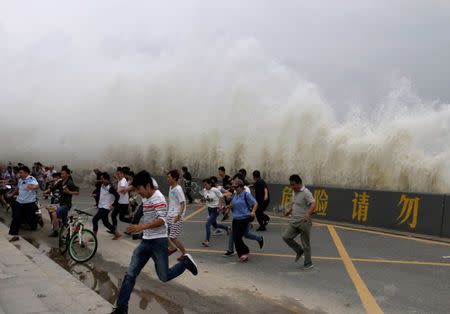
[
  {"x": 123, "y": 207},
  {"x": 108, "y": 199},
  {"x": 25, "y": 205},
  {"x": 154, "y": 242},
  {"x": 177, "y": 208}
]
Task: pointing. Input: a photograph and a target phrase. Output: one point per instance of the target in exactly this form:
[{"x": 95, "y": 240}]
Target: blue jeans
[
  {"x": 62, "y": 212},
  {"x": 247, "y": 235},
  {"x": 213, "y": 213},
  {"x": 157, "y": 250}
]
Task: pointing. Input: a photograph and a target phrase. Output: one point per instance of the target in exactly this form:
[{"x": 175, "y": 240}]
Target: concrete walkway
[{"x": 30, "y": 282}]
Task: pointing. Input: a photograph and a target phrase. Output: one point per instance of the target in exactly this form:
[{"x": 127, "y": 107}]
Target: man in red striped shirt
[{"x": 154, "y": 242}]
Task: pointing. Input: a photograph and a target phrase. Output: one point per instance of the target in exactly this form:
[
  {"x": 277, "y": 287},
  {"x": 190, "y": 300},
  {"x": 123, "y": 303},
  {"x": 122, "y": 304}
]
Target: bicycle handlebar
[{"x": 83, "y": 212}]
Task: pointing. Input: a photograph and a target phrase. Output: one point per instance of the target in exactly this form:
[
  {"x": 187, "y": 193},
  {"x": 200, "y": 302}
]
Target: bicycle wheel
[
  {"x": 63, "y": 238},
  {"x": 82, "y": 246}
]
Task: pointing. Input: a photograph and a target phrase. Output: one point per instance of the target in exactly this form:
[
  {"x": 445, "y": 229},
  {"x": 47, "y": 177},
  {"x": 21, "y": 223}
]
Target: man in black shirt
[
  {"x": 67, "y": 189},
  {"x": 98, "y": 184},
  {"x": 224, "y": 179},
  {"x": 187, "y": 183},
  {"x": 263, "y": 198}
]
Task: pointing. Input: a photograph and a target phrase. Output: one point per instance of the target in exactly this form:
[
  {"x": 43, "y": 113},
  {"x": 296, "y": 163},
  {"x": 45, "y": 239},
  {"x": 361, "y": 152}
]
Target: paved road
[{"x": 355, "y": 271}]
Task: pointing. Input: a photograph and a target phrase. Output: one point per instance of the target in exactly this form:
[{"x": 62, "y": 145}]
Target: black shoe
[
  {"x": 14, "y": 239},
  {"x": 308, "y": 266},
  {"x": 261, "y": 228},
  {"x": 54, "y": 234},
  {"x": 261, "y": 242},
  {"x": 190, "y": 264},
  {"x": 119, "y": 310},
  {"x": 228, "y": 253},
  {"x": 299, "y": 254}
]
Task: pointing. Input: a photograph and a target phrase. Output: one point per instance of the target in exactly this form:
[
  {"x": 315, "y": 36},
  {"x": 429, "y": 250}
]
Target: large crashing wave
[{"x": 222, "y": 102}]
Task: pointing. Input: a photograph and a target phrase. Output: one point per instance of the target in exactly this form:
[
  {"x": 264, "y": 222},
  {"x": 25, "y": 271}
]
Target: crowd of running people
[{"x": 137, "y": 201}]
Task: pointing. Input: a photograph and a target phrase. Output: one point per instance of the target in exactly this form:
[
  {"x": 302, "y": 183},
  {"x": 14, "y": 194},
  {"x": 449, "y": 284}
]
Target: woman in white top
[{"x": 214, "y": 201}]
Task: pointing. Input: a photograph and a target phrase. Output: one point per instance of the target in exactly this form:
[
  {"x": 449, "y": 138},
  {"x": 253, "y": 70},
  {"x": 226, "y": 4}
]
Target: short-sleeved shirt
[
  {"x": 242, "y": 205},
  {"x": 155, "y": 208},
  {"x": 66, "y": 199},
  {"x": 212, "y": 197},
  {"x": 124, "y": 197},
  {"x": 301, "y": 202},
  {"x": 26, "y": 196},
  {"x": 225, "y": 181},
  {"x": 260, "y": 185},
  {"x": 176, "y": 197},
  {"x": 56, "y": 193}
]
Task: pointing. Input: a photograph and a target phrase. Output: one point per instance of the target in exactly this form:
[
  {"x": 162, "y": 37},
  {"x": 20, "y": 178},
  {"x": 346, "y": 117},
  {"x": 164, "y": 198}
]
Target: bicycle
[{"x": 81, "y": 243}]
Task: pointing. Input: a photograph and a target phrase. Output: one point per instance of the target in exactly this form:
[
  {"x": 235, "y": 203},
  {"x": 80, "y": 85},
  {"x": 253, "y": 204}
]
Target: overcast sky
[
  {"x": 77, "y": 66},
  {"x": 352, "y": 50}
]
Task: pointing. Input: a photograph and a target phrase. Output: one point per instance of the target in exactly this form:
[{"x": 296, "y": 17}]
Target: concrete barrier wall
[
  {"x": 446, "y": 218},
  {"x": 410, "y": 212}
]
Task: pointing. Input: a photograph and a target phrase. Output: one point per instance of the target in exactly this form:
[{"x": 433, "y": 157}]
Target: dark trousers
[
  {"x": 96, "y": 195},
  {"x": 23, "y": 213},
  {"x": 239, "y": 229},
  {"x": 102, "y": 214},
  {"x": 122, "y": 211},
  {"x": 188, "y": 194},
  {"x": 260, "y": 215},
  {"x": 137, "y": 215}
]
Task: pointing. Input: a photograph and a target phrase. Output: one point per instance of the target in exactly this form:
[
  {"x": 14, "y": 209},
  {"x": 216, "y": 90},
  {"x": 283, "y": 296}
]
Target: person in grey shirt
[{"x": 301, "y": 209}]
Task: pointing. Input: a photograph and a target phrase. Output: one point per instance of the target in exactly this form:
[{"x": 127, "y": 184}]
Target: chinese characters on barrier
[
  {"x": 360, "y": 206},
  {"x": 407, "y": 206},
  {"x": 321, "y": 197},
  {"x": 410, "y": 210},
  {"x": 286, "y": 197}
]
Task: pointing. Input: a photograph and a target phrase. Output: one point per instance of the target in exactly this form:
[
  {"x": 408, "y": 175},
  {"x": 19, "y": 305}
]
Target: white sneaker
[{"x": 218, "y": 232}]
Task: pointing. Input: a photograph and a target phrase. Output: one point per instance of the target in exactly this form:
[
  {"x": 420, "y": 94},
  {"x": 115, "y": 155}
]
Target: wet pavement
[
  {"x": 104, "y": 282},
  {"x": 399, "y": 274}
]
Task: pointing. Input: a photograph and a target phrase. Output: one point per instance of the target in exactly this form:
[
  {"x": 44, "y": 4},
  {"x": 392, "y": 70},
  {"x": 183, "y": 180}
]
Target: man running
[
  {"x": 108, "y": 199},
  {"x": 177, "y": 208},
  {"x": 263, "y": 199},
  {"x": 302, "y": 208},
  {"x": 123, "y": 207},
  {"x": 154, "y": 243},
  {"x": 187, "y": 183}
]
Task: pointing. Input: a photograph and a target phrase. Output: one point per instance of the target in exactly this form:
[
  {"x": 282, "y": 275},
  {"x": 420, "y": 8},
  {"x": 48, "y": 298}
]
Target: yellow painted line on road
[
  {"x": 324, "y": 258},
  {"x": 388, "y": 261},
  {"x": 229, "y": 221},
  {"x": 386, "y": 234},
  {"x": 393, "y": 235},
  {"x": 367, "y": 299},
  {"x": 198, "y": 211},
  {"x": 331, "y": 258},
  {"x": 263, "y": 254}
]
